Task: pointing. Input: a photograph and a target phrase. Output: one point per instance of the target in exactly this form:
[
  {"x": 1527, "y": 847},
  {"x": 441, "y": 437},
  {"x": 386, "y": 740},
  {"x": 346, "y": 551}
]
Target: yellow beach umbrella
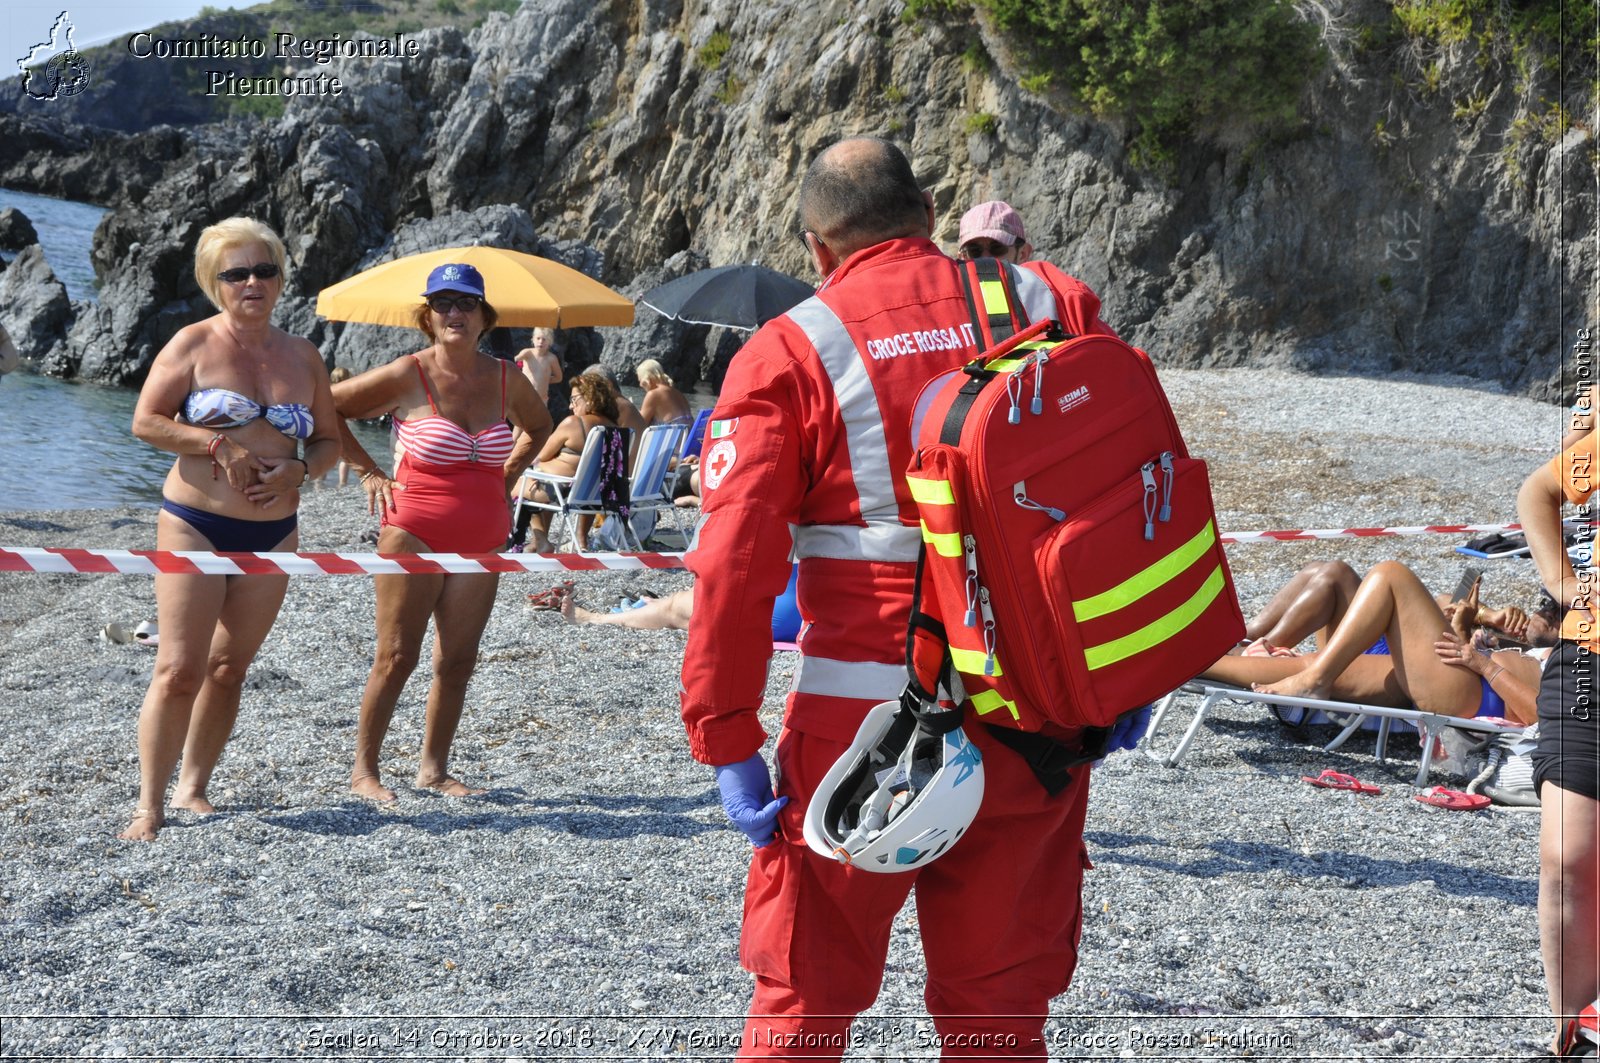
[{"x": 524, "y": 289}]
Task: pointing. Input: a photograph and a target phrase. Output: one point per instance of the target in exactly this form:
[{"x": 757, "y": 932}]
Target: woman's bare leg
[
  {"x": 1569, "y": 899},
  {"x": 187, "y": 608},
  {"x": 1368, "y": 680},
  {"x": 248, "y": 612},
  {"x": 404, "y": 605},
  {"x": 459, "y": 617},
  {"x": 249, "y": 608},
  {"x": 1313, "y": 602},
  {"x": 1391, "y": 602}
]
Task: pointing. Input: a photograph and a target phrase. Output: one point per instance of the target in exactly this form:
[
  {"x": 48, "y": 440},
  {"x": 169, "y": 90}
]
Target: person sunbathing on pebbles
[
  {"x": 1439, "y": 663},
  {"x": 649, "y": 614}
]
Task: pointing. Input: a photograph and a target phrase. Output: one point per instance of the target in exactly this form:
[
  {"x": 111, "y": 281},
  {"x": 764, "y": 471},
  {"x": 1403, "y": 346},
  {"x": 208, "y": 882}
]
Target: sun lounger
[
  {"x": 1578, "y": 535},
  {"x": 1430, "y": 724}
]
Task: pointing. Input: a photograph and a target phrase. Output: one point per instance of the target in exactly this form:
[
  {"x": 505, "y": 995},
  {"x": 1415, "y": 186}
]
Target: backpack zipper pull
[
  {"x": 1037, "y": 406},
  {"x": 1166, "y": 486},
  {"x": 1147, "y": 472},
  {"x": 1019, "y": 495},
  {"x": 1014, "y": 393},
  {"x": 970, "y": 548},
  {"x": 988, "y": 632}
]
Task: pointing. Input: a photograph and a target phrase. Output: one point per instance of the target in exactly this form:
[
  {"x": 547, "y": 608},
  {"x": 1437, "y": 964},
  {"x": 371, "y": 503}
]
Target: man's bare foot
[
  {"x": 538, "y": 542},
  {"x": 369, "y": 787},
  {"x": 194, "y": 802},
  {"x": 1300, "y": 685},
  {"x": 144, "y": 826},
  {"x": 450, "y": 786}
]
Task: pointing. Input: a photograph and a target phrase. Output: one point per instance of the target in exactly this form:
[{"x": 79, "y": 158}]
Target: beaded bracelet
[
  {"x": 211, "y": 452},
  {"x": 307, "y": 466}
]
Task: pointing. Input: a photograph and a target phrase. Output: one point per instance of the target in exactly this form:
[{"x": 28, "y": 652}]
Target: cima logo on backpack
[{"x": 1071, "y": 563}]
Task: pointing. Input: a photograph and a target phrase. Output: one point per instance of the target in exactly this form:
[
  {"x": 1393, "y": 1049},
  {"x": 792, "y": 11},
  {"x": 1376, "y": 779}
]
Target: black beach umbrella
[{"x": 740, "y": 297}]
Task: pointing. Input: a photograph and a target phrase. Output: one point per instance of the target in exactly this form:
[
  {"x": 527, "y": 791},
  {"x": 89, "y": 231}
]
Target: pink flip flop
[
  {"x": 1442, "y": 797},
  {"x": 1338, "y": 780},
  {"x": 550, "y": 599}
]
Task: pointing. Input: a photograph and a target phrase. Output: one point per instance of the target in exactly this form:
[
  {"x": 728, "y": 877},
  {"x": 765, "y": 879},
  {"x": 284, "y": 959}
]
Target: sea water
[
  {"x": 67, "y": 445},
  {"x": 66, "y": 233}
]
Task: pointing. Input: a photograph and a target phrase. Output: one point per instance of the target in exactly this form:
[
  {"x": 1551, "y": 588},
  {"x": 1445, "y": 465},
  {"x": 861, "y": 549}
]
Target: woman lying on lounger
[
  {"x": 1428, "y": 664},
  {"x": 1317, "y": 597}
]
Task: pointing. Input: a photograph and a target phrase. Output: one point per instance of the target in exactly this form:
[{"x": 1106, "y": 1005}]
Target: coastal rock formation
[
  {"x": 16, "y": 231},
  {"x": 34, "y": 308},
  {"x": 1394, "y": 229}
]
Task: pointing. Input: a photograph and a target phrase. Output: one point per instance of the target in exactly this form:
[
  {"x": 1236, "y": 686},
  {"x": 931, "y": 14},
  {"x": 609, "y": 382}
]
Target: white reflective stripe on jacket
[
  {"x": 1037, "y": 299},
  {"x": 849, "y": 679},
  {"x": 884, "y": 537}
]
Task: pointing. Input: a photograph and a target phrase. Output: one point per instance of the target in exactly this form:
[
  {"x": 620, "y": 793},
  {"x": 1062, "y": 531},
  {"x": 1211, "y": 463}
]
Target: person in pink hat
[{"x": 993, "y": 230}]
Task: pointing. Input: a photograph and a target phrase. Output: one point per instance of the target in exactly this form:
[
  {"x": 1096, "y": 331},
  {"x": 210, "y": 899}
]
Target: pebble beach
[{"x": 588, "y": 904}]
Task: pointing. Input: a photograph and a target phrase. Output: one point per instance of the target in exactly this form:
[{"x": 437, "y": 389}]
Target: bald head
[{"x": 860, "y": 192}]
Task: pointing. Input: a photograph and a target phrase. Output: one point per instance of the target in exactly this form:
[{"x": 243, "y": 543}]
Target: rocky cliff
[{"x": 1393, "y": 229}]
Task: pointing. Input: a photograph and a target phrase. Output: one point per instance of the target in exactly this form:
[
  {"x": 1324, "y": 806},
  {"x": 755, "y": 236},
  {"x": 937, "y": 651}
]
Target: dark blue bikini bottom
[{"x": 229, "y": 535}]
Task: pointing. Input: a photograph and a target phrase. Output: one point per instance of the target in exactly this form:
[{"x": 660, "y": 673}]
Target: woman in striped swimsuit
[{"x": 453, "y": 408}]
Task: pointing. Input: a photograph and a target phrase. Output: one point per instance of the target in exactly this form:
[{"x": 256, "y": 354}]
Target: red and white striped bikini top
[{"x": 438, "y": 440}]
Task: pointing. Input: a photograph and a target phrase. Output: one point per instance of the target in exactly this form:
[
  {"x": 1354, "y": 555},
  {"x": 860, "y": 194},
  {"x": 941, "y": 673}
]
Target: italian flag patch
[{"x": 723, "y": 429}]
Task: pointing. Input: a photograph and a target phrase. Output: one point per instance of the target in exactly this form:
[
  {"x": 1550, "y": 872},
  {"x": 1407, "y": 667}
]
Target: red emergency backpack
[{"x": 1071, "y": 568}]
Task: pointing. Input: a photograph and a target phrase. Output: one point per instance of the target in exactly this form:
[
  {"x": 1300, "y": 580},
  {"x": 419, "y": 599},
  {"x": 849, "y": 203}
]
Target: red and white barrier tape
[
  {"x": 1299, "y": 534},
  {"x": 202, "y": 562}
]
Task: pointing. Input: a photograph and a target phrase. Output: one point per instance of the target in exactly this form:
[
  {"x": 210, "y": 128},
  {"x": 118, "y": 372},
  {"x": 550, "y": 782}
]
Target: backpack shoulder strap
[{"x": 992, "y": 301}]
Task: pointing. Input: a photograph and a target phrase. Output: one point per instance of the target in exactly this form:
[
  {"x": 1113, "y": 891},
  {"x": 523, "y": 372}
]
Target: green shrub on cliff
[{"x": 1168, "y": 68}]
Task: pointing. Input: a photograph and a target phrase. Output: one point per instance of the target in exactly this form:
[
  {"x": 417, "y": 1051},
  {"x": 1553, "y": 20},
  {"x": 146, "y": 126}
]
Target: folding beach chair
[
  {"x": 696, "y": 436},
  {"x": 1430, "y": 725},
  {"x": 650, "y": 488},
  {"x": 598, "y": 485},
  {"x": 1577, "y": 535}
]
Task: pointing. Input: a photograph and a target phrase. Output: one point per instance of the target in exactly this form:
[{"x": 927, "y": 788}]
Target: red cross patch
[{"x": 719, "y": 463}]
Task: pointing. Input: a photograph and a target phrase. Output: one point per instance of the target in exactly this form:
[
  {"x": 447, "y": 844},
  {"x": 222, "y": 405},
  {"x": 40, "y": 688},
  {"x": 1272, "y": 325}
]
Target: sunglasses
[
  {"x": 443, "y": 304},
  {"x": 985, "y": 249},
  {"x": 261, "y": 271}
]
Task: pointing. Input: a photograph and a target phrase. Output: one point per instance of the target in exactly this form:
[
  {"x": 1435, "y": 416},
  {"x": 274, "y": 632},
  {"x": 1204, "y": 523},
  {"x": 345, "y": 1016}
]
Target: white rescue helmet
[{"x": 899, "y": 797}]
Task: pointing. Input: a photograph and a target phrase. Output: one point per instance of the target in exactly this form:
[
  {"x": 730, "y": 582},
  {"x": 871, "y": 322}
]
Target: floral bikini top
[{"x": 221, "y": 408}]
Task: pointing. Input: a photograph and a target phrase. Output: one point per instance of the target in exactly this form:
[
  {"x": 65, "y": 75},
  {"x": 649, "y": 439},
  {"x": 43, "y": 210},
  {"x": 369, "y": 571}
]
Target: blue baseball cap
[{"x": 455, "y": 277}]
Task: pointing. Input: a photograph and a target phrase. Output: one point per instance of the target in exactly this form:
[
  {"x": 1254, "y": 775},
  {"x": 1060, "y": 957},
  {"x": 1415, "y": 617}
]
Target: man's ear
[
  {"x": 822, "y": 256},
  {"x": 927, "y": 205}
]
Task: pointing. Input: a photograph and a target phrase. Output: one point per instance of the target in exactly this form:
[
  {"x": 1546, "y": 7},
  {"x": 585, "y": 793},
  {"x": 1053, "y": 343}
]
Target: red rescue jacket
[{"x": 809, "y": 448}]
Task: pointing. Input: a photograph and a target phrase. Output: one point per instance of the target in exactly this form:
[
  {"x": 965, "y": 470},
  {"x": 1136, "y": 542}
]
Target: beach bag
[
  {"x": 1502, "y": 768},
  {"x": 1070, "y": 569},
  {"x": 616, "y": 490}
]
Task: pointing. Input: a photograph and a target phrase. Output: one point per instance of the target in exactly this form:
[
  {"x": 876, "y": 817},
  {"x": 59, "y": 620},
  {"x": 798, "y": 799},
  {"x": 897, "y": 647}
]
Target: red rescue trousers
[{"x": 999, "y": 915}]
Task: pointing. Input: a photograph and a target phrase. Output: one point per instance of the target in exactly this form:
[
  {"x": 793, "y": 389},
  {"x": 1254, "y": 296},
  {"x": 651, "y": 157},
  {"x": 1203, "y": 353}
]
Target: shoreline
[{"x": 596, "y": 886}]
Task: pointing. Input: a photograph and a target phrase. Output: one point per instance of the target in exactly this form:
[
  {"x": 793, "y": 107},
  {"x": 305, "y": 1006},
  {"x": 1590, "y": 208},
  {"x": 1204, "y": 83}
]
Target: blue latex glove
[
  {"x": 1129, "y": 729},
  {"x": 747, "y": 799}
]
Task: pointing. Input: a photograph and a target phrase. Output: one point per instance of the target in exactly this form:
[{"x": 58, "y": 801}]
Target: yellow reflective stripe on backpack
[
  {"x": 995, "y": 303},
  {"x": 986, "y": 701},
  {"x": 973, "y": 662},
  {"x": 1017, "y": 357},
  {"x": 1152, "y": 578},
  {"x": 1157, "y": 631},
  {"x": 947, "y": 544},
  {"x": 926, "y": 492}
]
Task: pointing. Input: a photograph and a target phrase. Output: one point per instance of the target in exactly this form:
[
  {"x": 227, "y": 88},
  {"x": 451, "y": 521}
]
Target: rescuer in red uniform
[{"x": 807, "y": 451}]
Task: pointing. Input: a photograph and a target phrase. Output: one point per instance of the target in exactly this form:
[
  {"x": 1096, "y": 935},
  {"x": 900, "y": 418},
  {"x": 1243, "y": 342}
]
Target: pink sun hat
[{"x": 995, "y": 220}]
